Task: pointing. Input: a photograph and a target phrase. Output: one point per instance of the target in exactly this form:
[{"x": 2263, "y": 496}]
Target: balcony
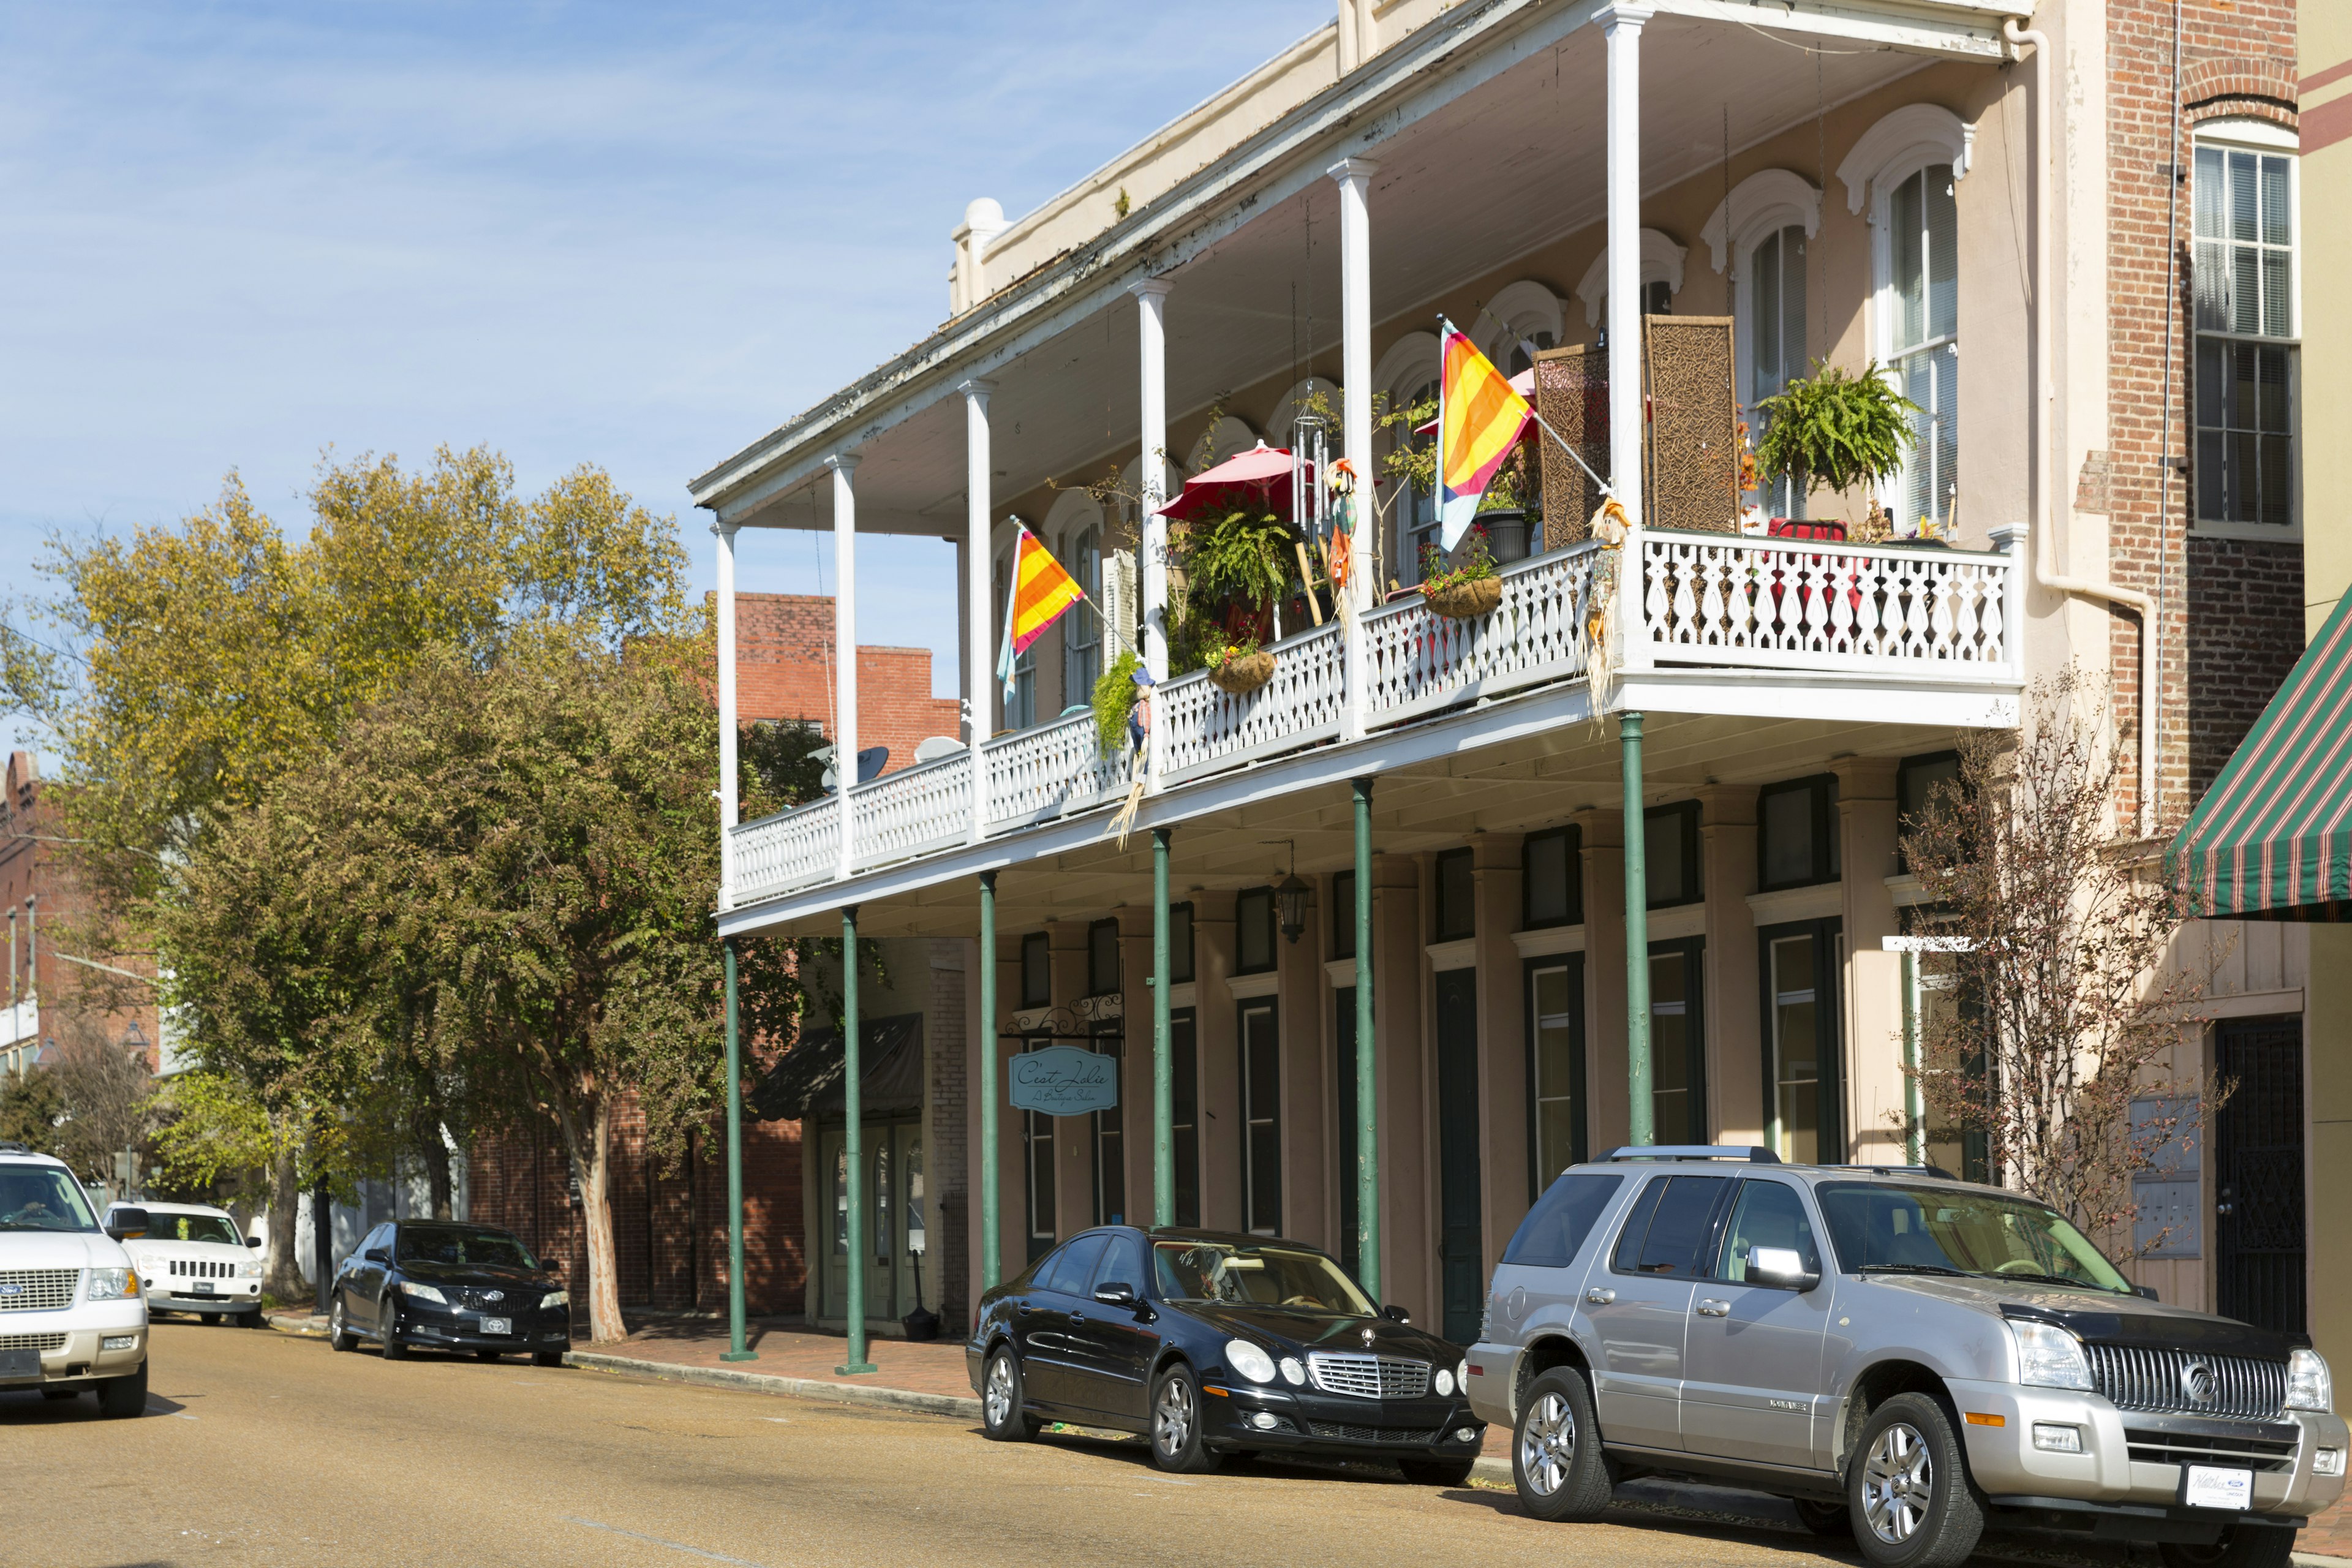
[{"x": 1755, "y": 628}]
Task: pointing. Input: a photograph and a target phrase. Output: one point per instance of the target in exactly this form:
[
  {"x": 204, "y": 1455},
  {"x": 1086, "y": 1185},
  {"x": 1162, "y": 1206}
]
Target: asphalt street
[{"x": 260, "y": 1449}]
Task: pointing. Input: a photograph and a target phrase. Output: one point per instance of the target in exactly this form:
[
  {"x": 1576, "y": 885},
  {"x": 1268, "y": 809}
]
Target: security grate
[
  {"x": 32, "y": 1342},
  {"x": 201, "y": 1268},
  {"x": 1367, "y": 1376},
  {"x": 37, "y": 1289},
  {"x": 1338, "y": 1432},
  {"x": 2188, "y": 1383},
  {"x": 2259, "y": 1453},
  {"x": 491, "y": 1300}
]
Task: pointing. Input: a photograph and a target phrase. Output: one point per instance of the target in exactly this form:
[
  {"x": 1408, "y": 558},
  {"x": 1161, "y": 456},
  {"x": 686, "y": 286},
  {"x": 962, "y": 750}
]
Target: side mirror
[
  {"x": 1115, "y": 1295},
  {"x": 253, "y": 1241},
  {"x": 1396, "y": 1314},
  {"x": 2147, "y": 1291},
  {"x": 375, "y": 1255},
  {"x": 1782, "y": 1267},
  {"x": 124, "y": 1224}
]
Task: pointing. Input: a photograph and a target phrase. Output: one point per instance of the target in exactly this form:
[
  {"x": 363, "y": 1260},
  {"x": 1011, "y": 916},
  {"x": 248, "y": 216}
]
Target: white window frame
[
  {"x": 1661, "y": 262},
  {"x": 1076, "y": 514},
  {"x": 2233, "y": 134},
  {"x": 1524, "y": 312},
  {"x": 1254, "y": 1116},
  {"x": 1759, "y": 208}
]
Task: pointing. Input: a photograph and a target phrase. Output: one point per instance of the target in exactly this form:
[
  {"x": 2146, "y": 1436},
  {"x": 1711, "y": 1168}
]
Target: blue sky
[{"x": 633, "y": 235}]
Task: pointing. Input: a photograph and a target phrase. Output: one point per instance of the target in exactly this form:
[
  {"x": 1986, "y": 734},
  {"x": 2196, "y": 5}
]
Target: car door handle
[
  {"x": 1708, "y": 1308},
  {"x": 1599, "y": 1297},
  {"x": 1078, "y": 1319}
]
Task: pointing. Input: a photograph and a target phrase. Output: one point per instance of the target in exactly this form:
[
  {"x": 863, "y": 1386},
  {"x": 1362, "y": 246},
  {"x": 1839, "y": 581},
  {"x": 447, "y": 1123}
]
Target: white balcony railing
[{"x": 1913, "y": 613}]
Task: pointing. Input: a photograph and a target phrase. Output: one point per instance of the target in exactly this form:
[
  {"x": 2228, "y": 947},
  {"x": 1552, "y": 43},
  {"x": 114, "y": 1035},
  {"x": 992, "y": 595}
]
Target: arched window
[
  {"x": 1082, "y": 627},
  {"x": 2245, "y": 377},
  {"x": 1407, "y": 373},
  {"x": 1662, "y": 279},
  {"x": 1526, "y": 315},
  {"x": 1760, "y": 233}
]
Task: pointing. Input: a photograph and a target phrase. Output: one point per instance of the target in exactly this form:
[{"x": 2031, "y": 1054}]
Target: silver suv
[{"x": 1907, "y": 1357}]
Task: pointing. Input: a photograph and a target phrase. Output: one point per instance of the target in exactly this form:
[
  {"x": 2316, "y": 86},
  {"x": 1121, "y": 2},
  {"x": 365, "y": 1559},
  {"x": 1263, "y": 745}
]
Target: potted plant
[
  {"x": 1833, "y": 430},
  {"x": 1114, "y": 697},
  {"x": 1466, "y": 589},
  {"x": 1503, "y": 510},
  {"x": 1239, "y": 668}
]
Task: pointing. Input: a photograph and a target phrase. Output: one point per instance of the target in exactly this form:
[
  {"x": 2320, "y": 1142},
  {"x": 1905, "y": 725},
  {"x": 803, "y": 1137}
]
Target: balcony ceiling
[{"x": 1504, "y": 167}]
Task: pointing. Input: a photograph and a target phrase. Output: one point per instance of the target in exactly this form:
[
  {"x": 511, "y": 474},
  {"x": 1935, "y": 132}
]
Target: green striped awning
[{"x": 2273, "y": 838}]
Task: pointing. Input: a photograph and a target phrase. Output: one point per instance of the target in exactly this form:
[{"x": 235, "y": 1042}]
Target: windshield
[
  {"x": 192, "y": 1227},
  {"x": 476, "y": 1249},
  {"x": 1886, "y": 1229},
  {"x": 1243, "y": 1275},
  {"x": 41, "y": 1197}
]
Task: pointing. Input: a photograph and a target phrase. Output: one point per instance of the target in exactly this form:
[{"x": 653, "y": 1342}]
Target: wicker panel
[
  {"x": 1694, "y": 446},
  {"x": 1573, "y": 396}
]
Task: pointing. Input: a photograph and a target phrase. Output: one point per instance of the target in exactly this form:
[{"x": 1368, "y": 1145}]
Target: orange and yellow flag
[
  {"x": 1480, "y": 418},
  {"x": 1042, "y": 590}
]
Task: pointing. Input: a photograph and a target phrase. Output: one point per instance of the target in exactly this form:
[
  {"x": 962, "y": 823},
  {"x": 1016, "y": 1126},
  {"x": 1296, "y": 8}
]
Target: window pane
[
  {"x": 1122, "y": 1264},
  {"x": 1179, "y": 943},
  {"x": 1265, "y": 1178},
  {"x": 2245, "y": 289},
  {"x": 1767, "y": 347},
  {"x": 1554, "y": 1231},
  {"x": 1036, "y": 971},
  {"x": 1769, "y": 1215},
  {"x": 1456, "y": 896},
  {"x": 2278, "y": 214},
  {"x": 1264, "y": 1064},
  {"x": 1343, "y": 915},
  {"x": 1546, "y": 868},
  {"x": 1074, "y": 1266},
  {"x": 2242, "y": 218},
  {"x": 1186, "y": 1118},
  {"x": 2210, "y": 469},
  {"x": 1907, "y": 239},
  {"x": 1678, "y": 1229},
  {"x": 2276, "y": 298},
  {"x": 1552, "y": 992},
  {"x": 2207, "y": 192},
  {"x": 1666, "y": 872},
  {"x": 1254, "y": 914},
  {"x": 1795, "y": 1049},
  {"x": 2212, "y": 284},
  {"x": 1788, "y": 837},
  {"x": 1943, "y": 252},
  {"x": 1102, "y": 958},
  {"x": 1673, "y": 1113}
]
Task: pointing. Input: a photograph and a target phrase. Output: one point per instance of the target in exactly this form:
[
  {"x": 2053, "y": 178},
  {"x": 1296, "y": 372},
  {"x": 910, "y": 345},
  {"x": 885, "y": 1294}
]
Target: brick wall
[
  {"x": 784, "y": 670},
  {"x": 2225, "y": 646}
]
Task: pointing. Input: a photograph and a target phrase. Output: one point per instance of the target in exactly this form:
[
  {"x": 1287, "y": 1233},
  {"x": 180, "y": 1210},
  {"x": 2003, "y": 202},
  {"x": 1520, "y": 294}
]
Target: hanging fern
[
  {"x": 1833, "y": 430},
  {"x": 1114, "y": 699},
  {"x": 1241, "y": 558}
]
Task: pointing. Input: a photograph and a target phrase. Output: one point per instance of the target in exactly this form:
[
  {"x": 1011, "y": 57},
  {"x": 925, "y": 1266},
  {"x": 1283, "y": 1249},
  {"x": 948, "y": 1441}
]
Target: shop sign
[{"x": 1063, "y": 1081}]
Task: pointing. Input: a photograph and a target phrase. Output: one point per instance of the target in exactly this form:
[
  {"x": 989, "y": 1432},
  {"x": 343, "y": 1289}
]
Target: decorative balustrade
[
  {"x": 1420, "y": 661},
  {"x": 1914, "y": 613},
  {"x": 1788, "y": 604},
  {"x": 1303, "y": 703}
]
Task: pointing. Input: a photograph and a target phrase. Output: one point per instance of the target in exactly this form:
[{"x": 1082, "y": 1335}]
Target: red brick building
[{"x": 783, "y": 670}]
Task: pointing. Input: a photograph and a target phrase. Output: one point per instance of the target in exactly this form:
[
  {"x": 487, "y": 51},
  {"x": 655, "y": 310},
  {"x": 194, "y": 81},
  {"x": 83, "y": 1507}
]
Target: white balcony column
[
  {"x": 1354, "y": 176},
  {"x": 1623, "y": 27},
  {"x": 1151, "y": 532},
  {"x": 979, "y": 576},
  {"x": 844, "y": 650},
  {"x": 2013, "y": 539},
  {"x": 730, "y": 804}
]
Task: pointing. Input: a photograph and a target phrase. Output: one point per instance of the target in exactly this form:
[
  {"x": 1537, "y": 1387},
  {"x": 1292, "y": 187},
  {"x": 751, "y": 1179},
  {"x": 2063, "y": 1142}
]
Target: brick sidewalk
[{"x": 787, "y": 1349}]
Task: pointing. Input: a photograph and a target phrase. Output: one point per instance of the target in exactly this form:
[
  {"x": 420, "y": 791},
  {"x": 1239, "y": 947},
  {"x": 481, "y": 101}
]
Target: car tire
[
  {"x": 252, "y": 1320},
  {"x": 2241, "y": 1546},
  {"x": 338, "y": 1332},
  {"x": 1556, "y": 1459},
  {"x": 1830, "y": 1521},
  {"x": 387, "y": 1329},
  {"x": 1907, "y": 1488},
  {"x": 1436, "y": 1472},
  {"x": 1179, "y": 1443},
  {"x": 547, "y": 1358},
  {"x": 121, "y": 1397},
  {"x": 1001, "y": 1390}
]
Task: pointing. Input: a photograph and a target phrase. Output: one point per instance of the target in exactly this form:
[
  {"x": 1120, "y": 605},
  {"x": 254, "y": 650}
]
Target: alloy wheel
[
  {"x": 1548, "y": 1444},
  {"x": 999, "y": 1395},
  {"x": 1898, "y": 1484},
  {"x": 1172, "y": 1423}
]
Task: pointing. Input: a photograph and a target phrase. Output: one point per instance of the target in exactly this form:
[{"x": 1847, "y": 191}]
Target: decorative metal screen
[
  {"x": 1573, "y": 396},
  {"x": 1693, "y": 451}
]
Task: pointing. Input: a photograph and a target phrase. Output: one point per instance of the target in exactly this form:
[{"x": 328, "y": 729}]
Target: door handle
[
  {"x": 1599, "y": 1297},
  {"x": 1708, "y": 1308},
  {"x": 1078, "y": 1319}
]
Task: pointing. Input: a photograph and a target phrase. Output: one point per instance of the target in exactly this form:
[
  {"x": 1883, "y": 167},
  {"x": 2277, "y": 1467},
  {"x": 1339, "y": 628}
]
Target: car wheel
[
  {"x": 119, "y": 1397},
  {"x": 1556, "y": 1460},
  {"x": 1907, "y": 1488},
  {"x": 547, "y": 1358},
  {"x": 249, "y": 1319},
  {"x": 1178, "y": 1442},
  {"x": 1001, "y": 1416},
  {"x": 1830, "y": 1521},
  {"x": 338, "y": 1332},
  {"x": 388, "y": 1331},
  {"x": 1436, "y": 1472},
  {"x": 2241, "y": 1546}
]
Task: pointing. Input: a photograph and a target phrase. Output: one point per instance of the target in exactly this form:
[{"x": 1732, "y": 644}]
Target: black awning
[{"x": 806, "y": 1085}]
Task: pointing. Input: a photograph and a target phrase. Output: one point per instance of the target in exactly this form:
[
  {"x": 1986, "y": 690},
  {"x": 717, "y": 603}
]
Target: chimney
[{"x": 983, "y": 220}]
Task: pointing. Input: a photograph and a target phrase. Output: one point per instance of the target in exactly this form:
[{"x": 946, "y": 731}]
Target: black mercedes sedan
[
  {"x": 433, "y": 1284},
  {"x": 1214, "y": 1344}
]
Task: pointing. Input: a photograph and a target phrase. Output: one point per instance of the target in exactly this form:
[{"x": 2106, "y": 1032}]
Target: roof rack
[
  {"x": 9, "y": 1146},
  {"x": 1938, "y": 1172},
  {"x": 1752, "y": 1153}
]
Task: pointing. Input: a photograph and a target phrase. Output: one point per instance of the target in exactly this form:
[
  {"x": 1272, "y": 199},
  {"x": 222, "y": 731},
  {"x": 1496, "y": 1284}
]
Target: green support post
[
  {"x": 1163, "y": 1049},
  {"x": 735, "y": 1348},
  {"x": 1368, "y": 1122},
  {"x": 854, "y": 1148},
  {"x": 991, "y": 1252},
  {"x": 1641, "y": 1121}
]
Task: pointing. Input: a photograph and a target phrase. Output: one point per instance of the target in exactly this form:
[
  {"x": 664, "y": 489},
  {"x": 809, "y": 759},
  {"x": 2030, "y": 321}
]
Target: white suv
[
  {"x": 193, "y": 1259},
  {"x": 73, "y": 1317}
]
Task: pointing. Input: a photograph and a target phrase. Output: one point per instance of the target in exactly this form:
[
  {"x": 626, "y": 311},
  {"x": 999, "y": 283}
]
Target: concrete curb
[
  {"x": 1493, "y": 1472},
  {"x": 963, "y": 1408},
  {"x": 306, "y": 1325}
]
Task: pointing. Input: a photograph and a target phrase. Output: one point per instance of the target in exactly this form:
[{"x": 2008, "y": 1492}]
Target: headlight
[
  {"x": 2049, "y": 1357},
  {"x": 111, "y": 1284},
  {"x": 249, "y": 1269},
  {"x": 1292, "y": 1373},
  {"x": 2307, "y": 1382},
  {"x": 1444, "y": 1381},
  {"x": 422, "y": 1292},
  {"x": 555, "y": 1299},
  {"x": 1249, "y": 1361}
]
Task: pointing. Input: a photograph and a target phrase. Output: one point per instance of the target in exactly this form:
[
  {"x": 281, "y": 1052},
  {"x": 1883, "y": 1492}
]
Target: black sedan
[
  {"x": 431, "y": 1284},
  {"x": 1212, "y": 1344}
]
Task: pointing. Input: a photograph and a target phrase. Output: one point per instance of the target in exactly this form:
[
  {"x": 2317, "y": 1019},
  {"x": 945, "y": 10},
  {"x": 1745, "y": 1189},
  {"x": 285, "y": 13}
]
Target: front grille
[
  {"x": 2250, "y": 1452},
  {"x": 503, "y": 1303},
  {"x": 200, "y": 1269},
  {"x": 37, "y": 1289},
  {"x": 1367, "y": 1376},
  {"x": 1338, "y": 1433},
  {"x": 32, "y": 1342},
  {"x": 2138, "y": 1379}
]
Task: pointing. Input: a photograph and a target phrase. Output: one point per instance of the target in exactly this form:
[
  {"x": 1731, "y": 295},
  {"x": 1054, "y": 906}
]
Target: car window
[
  {"x": 1077, "y": 1265},
  {"x": 1034, "y": 1278},
  {"x": 462, "y": 1246},
  {"x": 380, "y": 1237},
  {"x": 1285, "y": 1276},
  {"x": 1554, "y": 1231},
  {"x": 192, "y": 1227},
  {"x": 1122, "y": 1264},
  {"x": 41, "y": 1197},
  {"x": 1666, "y": 1232},
  {"x": 1769, "y": 1213},
  {"x": 1881, "y": 1228}
]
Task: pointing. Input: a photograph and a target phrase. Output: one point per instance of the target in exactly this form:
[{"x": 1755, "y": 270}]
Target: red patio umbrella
[{"x": 1259, "y": 477}]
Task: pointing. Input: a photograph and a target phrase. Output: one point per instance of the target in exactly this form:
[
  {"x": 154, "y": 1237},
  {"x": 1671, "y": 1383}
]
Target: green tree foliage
[
  {"x": 778, "y": 766},
  {"x": 31, "y": 1107}
]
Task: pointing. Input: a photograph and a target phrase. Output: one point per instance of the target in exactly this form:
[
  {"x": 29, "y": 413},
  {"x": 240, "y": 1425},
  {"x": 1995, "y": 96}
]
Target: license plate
[
  {"x": 203, "y": 1287},
  {"x": 498, "y": 1325},
  {"x": 16, "y": 1366},
  {"x": 2208, "y": 1486}
]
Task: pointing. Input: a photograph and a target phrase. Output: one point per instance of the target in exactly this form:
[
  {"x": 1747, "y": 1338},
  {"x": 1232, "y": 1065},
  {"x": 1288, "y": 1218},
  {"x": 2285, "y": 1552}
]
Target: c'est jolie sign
[{"x": 1063, "y": 1081}]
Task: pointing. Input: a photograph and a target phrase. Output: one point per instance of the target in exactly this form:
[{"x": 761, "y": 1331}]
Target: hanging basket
[
  {"x": 1241, "y": 677},
  {"x": 1465, "y": 601}
]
